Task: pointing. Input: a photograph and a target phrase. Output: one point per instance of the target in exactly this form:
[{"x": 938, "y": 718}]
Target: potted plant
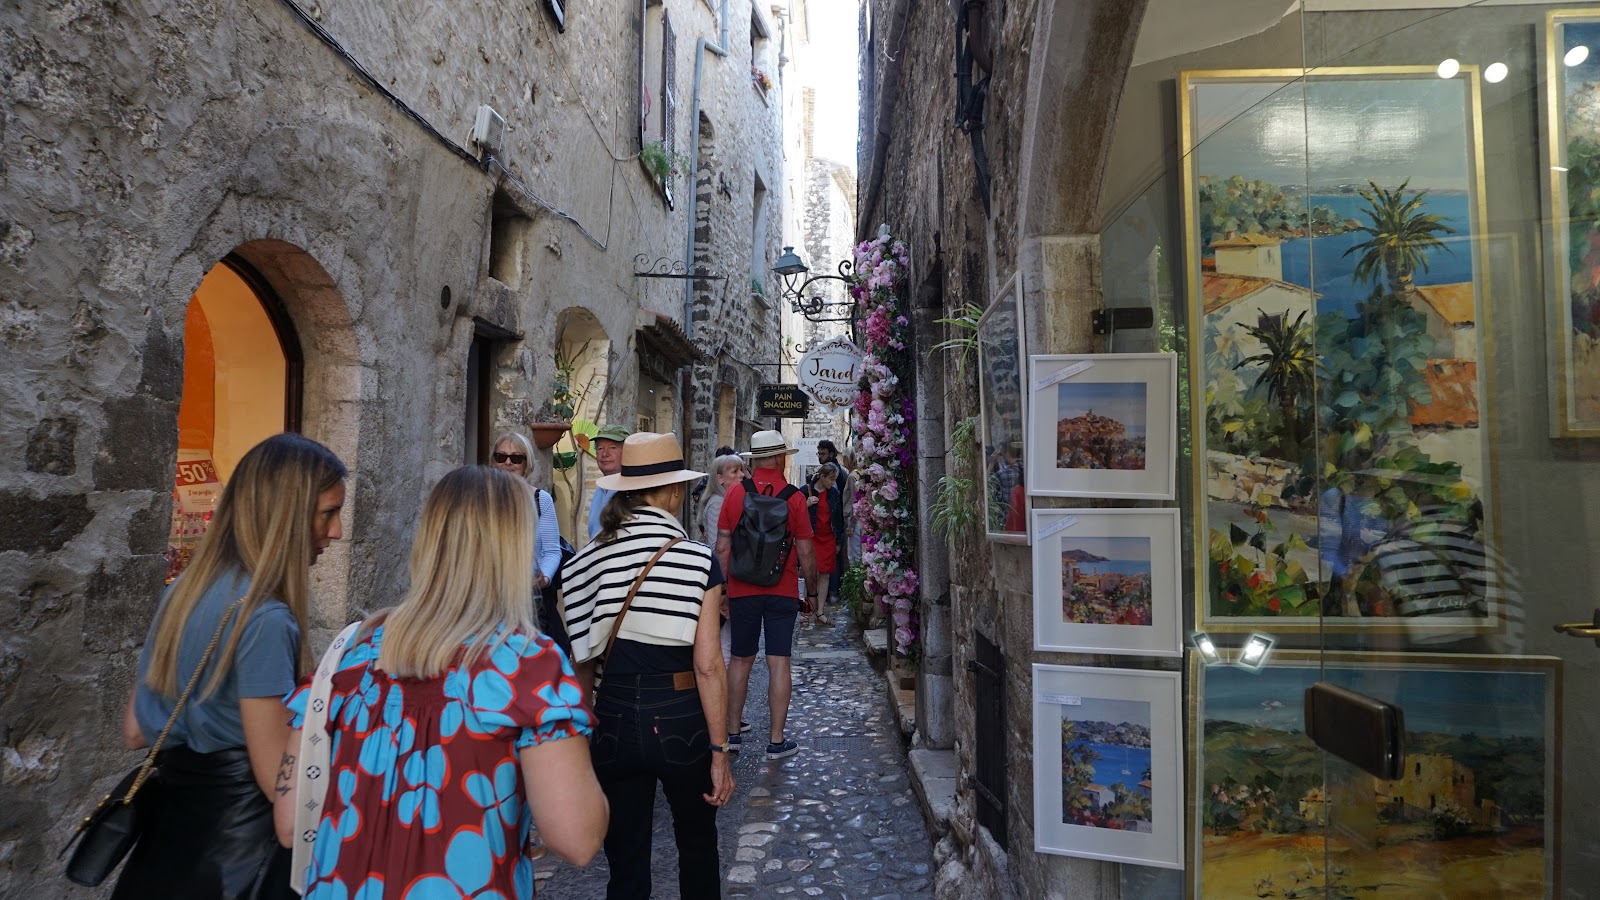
[
  {"x": 554, "y": 418},
  {"x": 760, "y": 80},
  {"x": 662, "y": 163}
]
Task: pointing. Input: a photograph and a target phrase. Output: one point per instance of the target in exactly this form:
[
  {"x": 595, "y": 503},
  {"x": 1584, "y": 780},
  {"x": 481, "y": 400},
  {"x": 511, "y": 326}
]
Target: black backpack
[{"x": 761, "y": 540}]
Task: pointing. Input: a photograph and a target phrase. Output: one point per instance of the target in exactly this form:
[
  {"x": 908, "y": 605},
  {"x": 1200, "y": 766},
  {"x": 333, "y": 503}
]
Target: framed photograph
[
  {"x": 1103, "y": 425},
  {"x": 1572, "y": 143},
  {"x": 1474, "y": 815},
  {"x": 1106, "y": 581},
  {"x": 1001, "y": 351},
  {"x": 1341, "y": 419},
  {"x": 1113, "y": 738}
]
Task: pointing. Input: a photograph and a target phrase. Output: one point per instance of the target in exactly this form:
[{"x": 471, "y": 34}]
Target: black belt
[{"x": 677, "y": 681}]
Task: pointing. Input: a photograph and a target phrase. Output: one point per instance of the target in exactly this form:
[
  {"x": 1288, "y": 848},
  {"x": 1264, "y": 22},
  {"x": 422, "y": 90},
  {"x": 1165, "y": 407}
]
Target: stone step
[{"x": 877, "y": 640}]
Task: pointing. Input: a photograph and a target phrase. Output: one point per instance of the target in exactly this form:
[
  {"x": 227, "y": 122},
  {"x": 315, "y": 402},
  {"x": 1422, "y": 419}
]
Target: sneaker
[
  {"x": 779, "y": 751},
  {"x": 743, "y": 727},
  {"x": 734, "y": 742}
]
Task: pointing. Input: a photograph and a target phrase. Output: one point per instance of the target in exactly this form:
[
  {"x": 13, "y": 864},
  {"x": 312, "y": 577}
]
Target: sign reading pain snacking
[
  {"x": 784, "y": 401},
  {"x": 830, "y": 373}
]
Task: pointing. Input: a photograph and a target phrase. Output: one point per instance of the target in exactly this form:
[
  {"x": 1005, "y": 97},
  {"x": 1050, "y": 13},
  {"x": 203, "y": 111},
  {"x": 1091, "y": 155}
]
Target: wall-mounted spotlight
[
  {"x": 1576, "y": 56},
  {"x": 1449, "y": 68},
  {"x": 1495, "y": 73},
  {"x": 1255, "y": 652},
  {"x": 1205, "y": 647}
]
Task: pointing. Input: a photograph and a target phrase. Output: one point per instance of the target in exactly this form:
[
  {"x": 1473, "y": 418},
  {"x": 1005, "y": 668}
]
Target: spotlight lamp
[
  {"x": 791, "y": 269},
  {"x": 1253, "y": 655},
  {"x": 1205, "y": 647}
]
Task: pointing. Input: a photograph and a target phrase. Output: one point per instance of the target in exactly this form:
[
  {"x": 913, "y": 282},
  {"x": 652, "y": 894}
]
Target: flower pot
[
  {"x": 545, "y": 434},
  {"x": 564, "y": 460}
]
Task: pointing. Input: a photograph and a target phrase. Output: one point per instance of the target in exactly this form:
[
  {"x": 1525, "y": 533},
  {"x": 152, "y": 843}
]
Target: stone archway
[
  {"x": 336, "y": 378},
  {"x": 583, "y": 356}
]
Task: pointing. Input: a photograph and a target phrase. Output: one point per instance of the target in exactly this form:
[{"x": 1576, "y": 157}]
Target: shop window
[
  {"x": 654, "y": 405},
  {"x": 241, "y": 385}
]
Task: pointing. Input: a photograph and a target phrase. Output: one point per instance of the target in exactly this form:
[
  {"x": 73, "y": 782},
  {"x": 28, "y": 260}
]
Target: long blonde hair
[
  {"x": 262, "y": 526},
  {"x": 471, "y": 575}
]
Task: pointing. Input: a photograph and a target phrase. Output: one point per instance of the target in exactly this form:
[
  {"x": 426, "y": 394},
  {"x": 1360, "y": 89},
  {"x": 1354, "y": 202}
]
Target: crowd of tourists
[{"x": 430, "y": 752}]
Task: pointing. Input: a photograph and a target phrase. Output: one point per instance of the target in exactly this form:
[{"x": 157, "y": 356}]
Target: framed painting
[
  {"x": 1106, "y": 581},
  {"x": 1002, "y": 341},
  {"x": 1475, "y": 813},
  {"x": 1572, "y": 150},
  {"x": 1103, "y": 425},
  {"x": 1114, "y": 737},
  {"x": 1338, "y": 311}
]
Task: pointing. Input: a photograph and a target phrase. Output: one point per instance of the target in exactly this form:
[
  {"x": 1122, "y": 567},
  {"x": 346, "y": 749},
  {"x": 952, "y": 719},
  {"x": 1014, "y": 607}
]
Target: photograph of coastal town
[
  {"x": 1337, "y": 300},
  {"x": 1105, "y": 764},
  {"x": 1101, "y": 425},
  {"x": 1105, "y": 580},
  {"x": 1481, "y": 750}
]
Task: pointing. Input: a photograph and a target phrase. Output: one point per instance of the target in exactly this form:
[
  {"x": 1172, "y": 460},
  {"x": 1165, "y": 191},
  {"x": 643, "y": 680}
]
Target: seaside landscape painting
[
  {"x": 1105, "y": 764},
  {"x": 1102, "y": 425},
  {"x": 1336, "y": 285},
  {"x": 1574, "y": 148},
  {"x": 1472, "y": 816},
  {"x": 1106, "y": 580}
]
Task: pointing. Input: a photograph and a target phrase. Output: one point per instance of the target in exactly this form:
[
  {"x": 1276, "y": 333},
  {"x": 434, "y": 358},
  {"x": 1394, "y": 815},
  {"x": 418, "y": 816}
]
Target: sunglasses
[{"x": 516, "y": 458}]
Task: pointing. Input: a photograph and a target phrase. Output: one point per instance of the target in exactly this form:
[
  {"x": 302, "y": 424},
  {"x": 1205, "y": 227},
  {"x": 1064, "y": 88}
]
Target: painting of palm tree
[
  {"x": 1400, "y": 238},
  {"x": 1288, "y": 367},
  {"x": 1338, "y": 361}
]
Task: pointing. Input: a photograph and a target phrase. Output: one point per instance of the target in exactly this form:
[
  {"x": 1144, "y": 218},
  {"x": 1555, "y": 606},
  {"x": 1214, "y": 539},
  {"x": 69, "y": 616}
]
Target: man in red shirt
[{"x": 756, "y": 610}]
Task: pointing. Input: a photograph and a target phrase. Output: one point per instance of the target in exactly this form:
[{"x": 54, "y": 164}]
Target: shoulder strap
[
  {"x": 788, "y": 491},
  {"x": 749, "y": 485},
  {"x": 150, "y": 758},
  {"x": 311, "y": 788},
  {"x": 616, "y": 627}
]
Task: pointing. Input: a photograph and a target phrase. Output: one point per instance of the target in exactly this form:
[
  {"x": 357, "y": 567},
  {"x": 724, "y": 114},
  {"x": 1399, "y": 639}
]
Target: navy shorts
[{"x": 751, "y": 618}]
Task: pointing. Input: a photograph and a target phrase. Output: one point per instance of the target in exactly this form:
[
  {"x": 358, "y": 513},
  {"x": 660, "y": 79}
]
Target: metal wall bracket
[{"x": 1123, "y": 318}]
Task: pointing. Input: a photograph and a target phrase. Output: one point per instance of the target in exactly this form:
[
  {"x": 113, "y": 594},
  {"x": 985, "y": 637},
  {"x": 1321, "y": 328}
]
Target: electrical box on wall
[{"x": 489, "y": 131}]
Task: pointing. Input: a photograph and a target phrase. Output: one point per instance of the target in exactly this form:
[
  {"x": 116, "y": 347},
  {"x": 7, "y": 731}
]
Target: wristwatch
[{"x": 723, "y": 747}]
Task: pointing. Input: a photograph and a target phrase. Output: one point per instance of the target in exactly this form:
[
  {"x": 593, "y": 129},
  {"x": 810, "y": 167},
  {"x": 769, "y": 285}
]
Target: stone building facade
[
  {"x": 414, "y": 288},
  {"x": 1014, "y": 189}
]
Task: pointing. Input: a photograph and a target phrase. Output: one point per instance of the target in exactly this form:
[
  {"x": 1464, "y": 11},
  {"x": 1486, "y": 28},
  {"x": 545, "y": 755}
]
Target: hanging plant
[
  {"x": 884, "y": 413},
  {"x": 662, "y": 163}
]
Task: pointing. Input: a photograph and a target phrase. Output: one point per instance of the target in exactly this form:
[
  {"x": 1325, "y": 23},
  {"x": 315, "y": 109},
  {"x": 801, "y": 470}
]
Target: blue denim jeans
[{"x": 648, "y": 733}]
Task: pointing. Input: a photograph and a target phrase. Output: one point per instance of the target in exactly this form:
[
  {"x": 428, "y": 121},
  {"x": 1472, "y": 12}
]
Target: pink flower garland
[{"x": 884, "y": 446}]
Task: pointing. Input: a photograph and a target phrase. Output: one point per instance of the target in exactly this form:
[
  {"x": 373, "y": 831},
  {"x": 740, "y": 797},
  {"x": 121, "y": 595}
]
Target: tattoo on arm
[{"x": 286, "y": 774}]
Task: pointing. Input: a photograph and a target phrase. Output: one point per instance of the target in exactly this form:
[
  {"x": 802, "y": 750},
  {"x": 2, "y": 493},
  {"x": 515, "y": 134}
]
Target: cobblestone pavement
[{"x": 836, "y": 820}]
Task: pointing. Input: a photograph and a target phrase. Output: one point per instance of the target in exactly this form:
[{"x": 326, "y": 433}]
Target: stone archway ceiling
[{"x": 1175, "y": 27}]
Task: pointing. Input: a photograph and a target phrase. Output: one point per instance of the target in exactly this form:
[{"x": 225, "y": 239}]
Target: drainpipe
[{"x": 701, "y": 45}]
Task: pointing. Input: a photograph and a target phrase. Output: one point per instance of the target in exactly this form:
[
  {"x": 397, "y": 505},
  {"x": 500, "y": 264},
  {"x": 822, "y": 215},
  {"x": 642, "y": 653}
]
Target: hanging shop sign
[
  {"x": 784, "y": 401},
  {"x": 830, "y": 373}
]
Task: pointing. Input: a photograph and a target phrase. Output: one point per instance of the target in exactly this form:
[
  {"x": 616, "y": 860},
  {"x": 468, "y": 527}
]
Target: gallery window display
[
  {"x": 240, "y": 384},
  {"x": 1373, "y": 248}
]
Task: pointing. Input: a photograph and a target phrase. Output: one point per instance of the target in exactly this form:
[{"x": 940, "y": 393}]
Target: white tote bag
[{"x": 311, "y": 783}]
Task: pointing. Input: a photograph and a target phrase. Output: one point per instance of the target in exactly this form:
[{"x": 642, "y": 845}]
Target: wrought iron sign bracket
[
  {"x": 665, "y": 267},
  {"x": 1123, "y": 318}
]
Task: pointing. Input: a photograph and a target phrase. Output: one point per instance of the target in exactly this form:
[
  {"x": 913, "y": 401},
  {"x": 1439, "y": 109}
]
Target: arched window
[{"x": 241, "y": 385}]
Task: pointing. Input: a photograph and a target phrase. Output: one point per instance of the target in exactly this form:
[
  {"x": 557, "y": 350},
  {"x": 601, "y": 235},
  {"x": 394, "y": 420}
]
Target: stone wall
[
  {"x": 140, "y": 148},
  {"x": 921, "y": 176}
]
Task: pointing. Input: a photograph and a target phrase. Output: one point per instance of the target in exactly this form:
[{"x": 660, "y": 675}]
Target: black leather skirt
[{"x": 210, "y": 837}]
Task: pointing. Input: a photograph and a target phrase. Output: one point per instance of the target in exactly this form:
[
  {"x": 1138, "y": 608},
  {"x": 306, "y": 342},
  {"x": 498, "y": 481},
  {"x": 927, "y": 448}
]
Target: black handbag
[{"x": 106, "y": 834}]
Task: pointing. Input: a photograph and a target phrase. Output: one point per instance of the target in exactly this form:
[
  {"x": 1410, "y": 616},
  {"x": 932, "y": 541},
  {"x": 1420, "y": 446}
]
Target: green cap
[{"x": 616, "y": 433}]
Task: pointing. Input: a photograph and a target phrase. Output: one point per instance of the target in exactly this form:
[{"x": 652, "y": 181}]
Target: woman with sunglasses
[{"x": 514, "y": 455}]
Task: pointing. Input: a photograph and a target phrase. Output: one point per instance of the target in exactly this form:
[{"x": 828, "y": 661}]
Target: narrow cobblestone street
[{"x": 836, "y": 820}]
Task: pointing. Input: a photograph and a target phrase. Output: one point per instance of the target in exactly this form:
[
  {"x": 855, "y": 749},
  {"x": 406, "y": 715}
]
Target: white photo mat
[
  {"x": 1128, "y": 399},
  {"x": 1003, "y": 404},
  {"x": 1146, "y": 699},
  {"x": 1145, "y": 541}
]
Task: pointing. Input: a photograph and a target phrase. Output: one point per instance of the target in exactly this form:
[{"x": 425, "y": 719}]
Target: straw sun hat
[
  {"x": 769, "y": 443},
  {"x": 649, "y": 461}
]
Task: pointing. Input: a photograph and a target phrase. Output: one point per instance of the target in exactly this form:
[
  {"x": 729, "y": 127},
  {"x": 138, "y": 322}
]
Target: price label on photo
[
  {"x": 1062, "y": 375},
  {"x": 1063, "y": 700},
  {"x": 1060, "y": 524}
]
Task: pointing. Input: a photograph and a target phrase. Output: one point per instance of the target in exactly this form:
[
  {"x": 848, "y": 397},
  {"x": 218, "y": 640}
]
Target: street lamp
[{"x": 791, "y": 268}]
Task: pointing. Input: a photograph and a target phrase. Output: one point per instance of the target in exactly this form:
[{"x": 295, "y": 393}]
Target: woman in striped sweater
[{"x": 642, "y": 605}]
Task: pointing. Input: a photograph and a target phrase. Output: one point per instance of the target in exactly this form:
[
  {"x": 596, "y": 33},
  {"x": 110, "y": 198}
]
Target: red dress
[
  {"x": 822, "y": 537},
  {"x": 427, "y": 800}
]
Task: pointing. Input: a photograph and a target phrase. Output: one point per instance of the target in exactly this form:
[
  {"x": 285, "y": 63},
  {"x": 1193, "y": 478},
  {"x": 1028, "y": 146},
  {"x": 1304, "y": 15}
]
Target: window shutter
[{"x": 669, "y": 81}]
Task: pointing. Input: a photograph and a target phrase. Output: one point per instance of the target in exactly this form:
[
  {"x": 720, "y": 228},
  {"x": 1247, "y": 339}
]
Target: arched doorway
[
  {"x": 241, "y": 384},
  {"x": 583, "y": 363}
]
